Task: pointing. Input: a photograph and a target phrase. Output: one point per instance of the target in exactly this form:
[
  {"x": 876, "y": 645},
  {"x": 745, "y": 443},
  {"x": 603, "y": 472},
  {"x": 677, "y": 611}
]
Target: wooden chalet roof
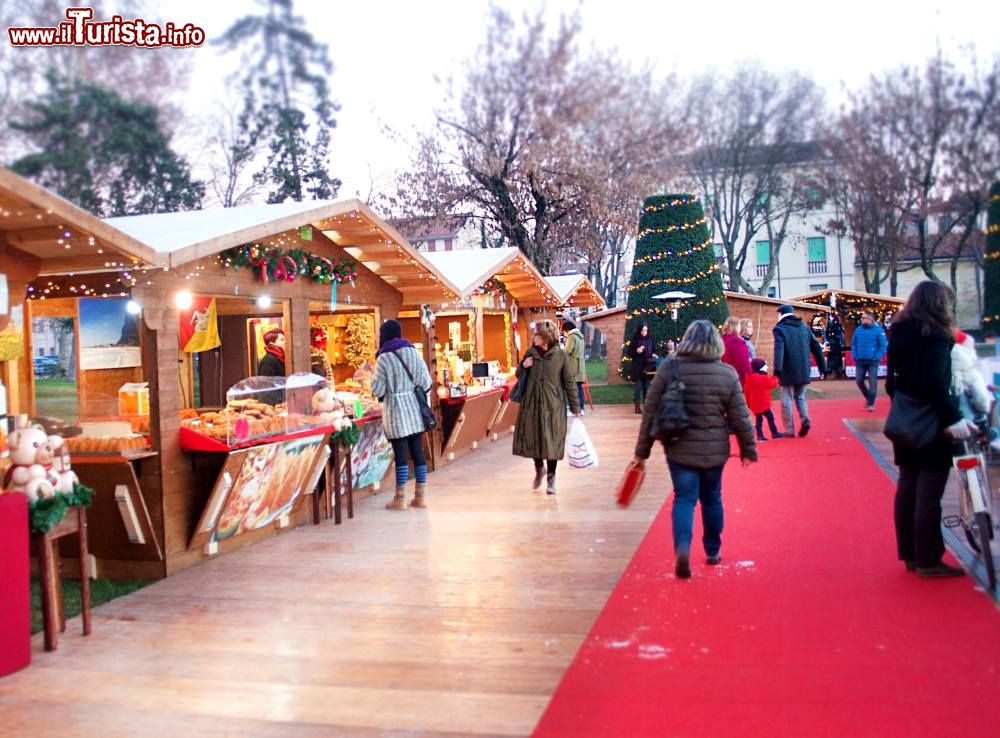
[
  {"x": 184, "y": 237},
  {"x": 575, "y": 290},
  {"x": 470, "y": 269},
  {"x": 52, "y": 236}
]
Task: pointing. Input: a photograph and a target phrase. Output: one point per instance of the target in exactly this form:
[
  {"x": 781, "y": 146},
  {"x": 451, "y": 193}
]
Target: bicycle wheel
[{"x": 985, "y": 526}]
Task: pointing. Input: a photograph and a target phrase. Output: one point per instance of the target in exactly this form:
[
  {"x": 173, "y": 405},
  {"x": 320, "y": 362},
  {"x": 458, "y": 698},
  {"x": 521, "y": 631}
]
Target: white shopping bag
[{"x": 580, "y": 449}]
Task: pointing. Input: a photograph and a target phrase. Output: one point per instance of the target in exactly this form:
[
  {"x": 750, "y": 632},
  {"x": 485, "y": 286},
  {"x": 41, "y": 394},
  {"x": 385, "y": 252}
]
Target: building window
[
  {"x": 814, "y": 198},
  {"x": 763, "y": 257},
  {"x": 720, "y": 252},
  {"x": 772, "y": 292},
  {"x": 817, "y": 255},
  {"x": 447, "y": 244},
  {"x": 818, "y": 287},
  {"x": 431, "y": 244}
]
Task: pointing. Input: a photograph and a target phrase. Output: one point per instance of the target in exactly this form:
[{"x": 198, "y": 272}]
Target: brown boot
[
  {"x": 399, "y": 501},
  {"x": 419, "y": 496},
  {"x": 638, "y": 409}
]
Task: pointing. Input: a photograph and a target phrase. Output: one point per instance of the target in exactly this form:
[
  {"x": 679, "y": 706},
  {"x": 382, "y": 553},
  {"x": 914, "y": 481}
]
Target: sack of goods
[{"x": 579, "y": 448}]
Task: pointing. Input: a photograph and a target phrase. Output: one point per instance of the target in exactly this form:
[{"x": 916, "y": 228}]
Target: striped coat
[{"x": 400, "y": 410}]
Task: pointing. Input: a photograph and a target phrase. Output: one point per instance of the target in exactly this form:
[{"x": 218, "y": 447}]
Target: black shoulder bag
[
  {"x": 426, "y": 414},
  {"x": 911, "y": 423},
  {"x": 671, "y": 416}
]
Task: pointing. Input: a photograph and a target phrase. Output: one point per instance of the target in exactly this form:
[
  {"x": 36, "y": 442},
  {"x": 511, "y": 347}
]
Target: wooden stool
[
  {"x": 340, "y": 450},
  {"x": 50, "y": 578}
]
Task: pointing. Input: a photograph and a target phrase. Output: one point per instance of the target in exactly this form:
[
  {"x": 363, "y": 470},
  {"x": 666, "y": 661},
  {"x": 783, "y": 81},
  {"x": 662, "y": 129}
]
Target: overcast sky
[{"x": 387, "y": 53}]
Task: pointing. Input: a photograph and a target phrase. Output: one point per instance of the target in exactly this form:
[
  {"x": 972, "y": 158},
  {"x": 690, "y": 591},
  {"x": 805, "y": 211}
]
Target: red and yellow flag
[{"x": 199, "y": 326}]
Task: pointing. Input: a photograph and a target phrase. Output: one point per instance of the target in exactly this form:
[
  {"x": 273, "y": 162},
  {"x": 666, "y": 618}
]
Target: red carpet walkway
[{"x": 809, "y": 628}]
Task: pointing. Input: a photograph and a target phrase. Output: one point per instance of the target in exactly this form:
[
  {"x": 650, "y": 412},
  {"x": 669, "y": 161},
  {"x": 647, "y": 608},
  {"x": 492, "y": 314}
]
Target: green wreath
[{"x": 45, "y": 513}]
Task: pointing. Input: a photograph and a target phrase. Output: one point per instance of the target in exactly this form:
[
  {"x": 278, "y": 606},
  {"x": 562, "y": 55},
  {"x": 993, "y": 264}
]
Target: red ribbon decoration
[{"x": 291, "y": 272}]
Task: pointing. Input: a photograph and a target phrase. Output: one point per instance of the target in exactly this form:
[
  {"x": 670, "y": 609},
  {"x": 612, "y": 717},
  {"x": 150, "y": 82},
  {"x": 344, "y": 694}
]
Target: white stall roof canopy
[
  {"x": 575, "y": 290},
  {"x": 184, "y": 237},
  {"x": 470, "y": 269}
]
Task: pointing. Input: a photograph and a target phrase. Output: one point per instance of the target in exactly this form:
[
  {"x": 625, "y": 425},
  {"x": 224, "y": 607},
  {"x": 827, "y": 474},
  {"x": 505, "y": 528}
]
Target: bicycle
[{"x": 975, "y": 499}]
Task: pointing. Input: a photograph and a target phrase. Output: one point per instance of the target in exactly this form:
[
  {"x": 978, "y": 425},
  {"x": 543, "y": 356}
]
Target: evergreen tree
[
  {"x": 991, "y": 263},
  {"x": 287, "y": 107},
  {"x": 673, "y": 253},
  {"x": 104, "y": 153}
]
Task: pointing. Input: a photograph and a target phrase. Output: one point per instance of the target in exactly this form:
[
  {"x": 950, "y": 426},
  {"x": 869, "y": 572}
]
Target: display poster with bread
[{"x": 258, "y": 485}]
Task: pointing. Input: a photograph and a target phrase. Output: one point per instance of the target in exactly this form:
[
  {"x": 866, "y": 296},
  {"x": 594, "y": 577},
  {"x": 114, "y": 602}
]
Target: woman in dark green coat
[{"x": 540, "y": 433}]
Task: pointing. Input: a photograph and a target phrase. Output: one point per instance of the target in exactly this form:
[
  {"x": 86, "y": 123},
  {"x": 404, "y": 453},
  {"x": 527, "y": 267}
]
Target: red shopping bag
[{"x": 630, "y": 484}]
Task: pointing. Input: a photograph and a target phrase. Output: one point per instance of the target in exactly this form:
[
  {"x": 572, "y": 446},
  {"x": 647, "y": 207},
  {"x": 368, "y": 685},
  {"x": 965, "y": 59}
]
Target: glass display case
[{"x": 258, "y": 408}]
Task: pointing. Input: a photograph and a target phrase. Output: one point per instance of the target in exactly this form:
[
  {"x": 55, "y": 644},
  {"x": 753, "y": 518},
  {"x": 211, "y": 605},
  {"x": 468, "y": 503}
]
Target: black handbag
[
  {"x": 426, "y": 414},
  {"x": 911, "y": 423},
  {"x": 519, "y": 388}
]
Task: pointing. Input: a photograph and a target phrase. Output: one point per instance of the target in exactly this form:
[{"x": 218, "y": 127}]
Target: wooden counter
[{"x": 466, "y": 422}]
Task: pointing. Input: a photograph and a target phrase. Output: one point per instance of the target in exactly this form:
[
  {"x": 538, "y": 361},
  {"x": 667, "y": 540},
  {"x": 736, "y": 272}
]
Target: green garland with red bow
[
  {"x": 271, "y": 264},
  {"x": 491, "y": 286}
]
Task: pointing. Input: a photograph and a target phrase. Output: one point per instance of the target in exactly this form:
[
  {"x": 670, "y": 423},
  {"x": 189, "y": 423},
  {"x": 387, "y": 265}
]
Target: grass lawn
[
  {"x": 101, "y": 591},
  {"x": 57, "y": 398},
  {"x": 611, "y": 394},
  {"x": 597, "y": 371}
]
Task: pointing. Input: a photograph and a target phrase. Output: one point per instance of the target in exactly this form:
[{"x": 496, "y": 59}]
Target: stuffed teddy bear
[
  {"x": 329, "y": 409},
  {"x": 61, "y": 465},
  {"x": 31, "y": 464}
]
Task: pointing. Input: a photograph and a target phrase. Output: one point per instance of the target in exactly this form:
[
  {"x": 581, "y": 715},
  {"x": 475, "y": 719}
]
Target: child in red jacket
[{"x": 758, "y": 392}]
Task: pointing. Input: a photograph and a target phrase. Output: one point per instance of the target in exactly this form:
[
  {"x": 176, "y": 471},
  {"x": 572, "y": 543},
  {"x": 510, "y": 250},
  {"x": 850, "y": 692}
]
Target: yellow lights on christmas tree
[
  {"x": 676, "y": 202},
  {"x": 674, "y": 280},
  {"x": 672, "y": 228},
  {"x": 672, "y": 254}
]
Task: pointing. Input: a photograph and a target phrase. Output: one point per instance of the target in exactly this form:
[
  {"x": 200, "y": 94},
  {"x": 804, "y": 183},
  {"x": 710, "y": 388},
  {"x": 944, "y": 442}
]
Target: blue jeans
[
  {"x": 579, "y": 389},
  {"x": 793, "y": 393},
  {"x": 866, "y": 375},
  {"x": 691, "y": 485},
  {"x": 640, "y": 388}
]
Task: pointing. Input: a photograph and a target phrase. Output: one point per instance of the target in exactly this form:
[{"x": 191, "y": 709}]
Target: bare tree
[
  {"x": 868, "y": 188},
  {"x": 532, "y": 138},
  {"x": 232, "y": 162},
  {"x": 754, "y": 161},
  {"x": 945, "y": 124}
]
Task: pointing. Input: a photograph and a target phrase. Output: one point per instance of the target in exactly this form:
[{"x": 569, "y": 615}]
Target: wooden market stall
[
  {"x": 762, "y": 311},
  {"x": 47, "y": 368},
  {"x": 576, "y": 291},
  {"x": 848, "y": 305},
  {"x": 224, "y": 460},
  {"x": 478, "y": 339}
]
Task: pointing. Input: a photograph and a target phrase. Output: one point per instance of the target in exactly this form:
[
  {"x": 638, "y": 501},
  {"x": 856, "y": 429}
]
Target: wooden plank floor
[{"x": 458, "y": 620}]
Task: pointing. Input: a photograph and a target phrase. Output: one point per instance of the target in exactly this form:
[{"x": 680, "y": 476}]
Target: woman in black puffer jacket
[
  {"x": 714, "y": 402},
  {"x": 919, "y": 358}
]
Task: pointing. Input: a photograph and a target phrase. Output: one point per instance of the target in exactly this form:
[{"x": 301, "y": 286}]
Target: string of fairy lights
[
  {"x": 669, "y": 254},
  {"x": 675, "y": 203},
  {"x": 672, "y": 228},
  {"x": 121, "y": 277},
  {"x": 674, "y": 280}
]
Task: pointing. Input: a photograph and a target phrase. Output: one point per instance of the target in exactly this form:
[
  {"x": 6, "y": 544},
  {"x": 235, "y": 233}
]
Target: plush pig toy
[
  {"x": 31, "y": 457},
  {"x": 61, "y": 467}
]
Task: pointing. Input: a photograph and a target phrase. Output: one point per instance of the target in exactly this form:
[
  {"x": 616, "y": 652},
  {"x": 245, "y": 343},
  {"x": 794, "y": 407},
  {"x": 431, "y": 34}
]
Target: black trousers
[
  {"x": 918, "y": 514},
  {"x": 770, "y": 423},
  {"x": 404, "y": 448},
  {"x": 549, "y": 463}
]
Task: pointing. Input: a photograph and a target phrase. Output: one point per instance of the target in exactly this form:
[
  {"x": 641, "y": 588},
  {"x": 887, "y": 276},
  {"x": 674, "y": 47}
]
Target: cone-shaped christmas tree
[
  {"x": 673, "y": 253},
  {"x": 991, "y": 265}
]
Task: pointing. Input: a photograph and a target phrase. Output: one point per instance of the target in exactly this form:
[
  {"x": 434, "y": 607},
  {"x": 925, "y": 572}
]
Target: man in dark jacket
[{"x": 793, "y": 342}]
